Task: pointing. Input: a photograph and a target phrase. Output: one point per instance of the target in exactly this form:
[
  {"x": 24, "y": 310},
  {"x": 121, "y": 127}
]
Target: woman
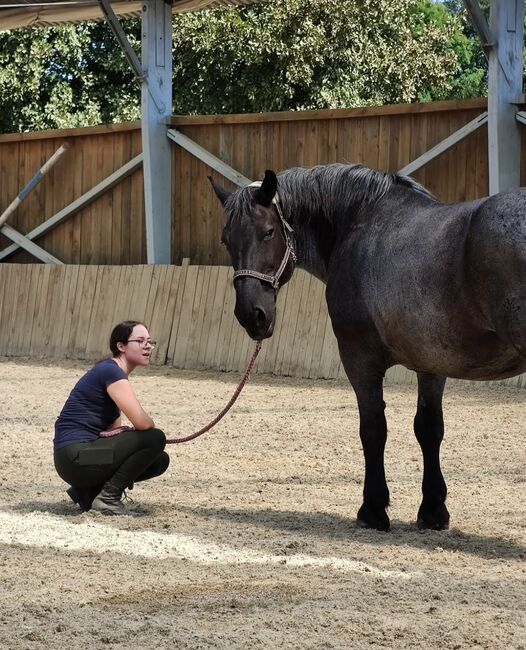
[{"x": 99, "y": 469}]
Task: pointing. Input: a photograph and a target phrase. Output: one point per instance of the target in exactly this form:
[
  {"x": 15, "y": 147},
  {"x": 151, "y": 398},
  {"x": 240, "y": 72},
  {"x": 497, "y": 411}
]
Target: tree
[
  {"x": 300, "y": 54},
  {"x": 470, "y": 80},
  {"x": 64, "y": 77},
  {"x": 281, "y": 55}
]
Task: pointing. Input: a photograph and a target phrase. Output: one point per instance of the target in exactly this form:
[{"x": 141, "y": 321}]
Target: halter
[{"x": 289, "y": 251}]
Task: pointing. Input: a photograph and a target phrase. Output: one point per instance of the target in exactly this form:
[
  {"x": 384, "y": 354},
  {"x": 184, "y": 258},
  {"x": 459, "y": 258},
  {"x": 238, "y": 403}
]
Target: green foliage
[
  {"x": 281, "y": 55},
  {"x": 300, "y": 54},
  {"x": 63, "y": 77},
  {"x": 470, "y": 80}
]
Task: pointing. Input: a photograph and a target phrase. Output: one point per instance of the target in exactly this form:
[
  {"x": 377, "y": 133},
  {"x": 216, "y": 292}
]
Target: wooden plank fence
[
  {"x": 110, "y": 229},
  {"x": 68, "y": 312}
]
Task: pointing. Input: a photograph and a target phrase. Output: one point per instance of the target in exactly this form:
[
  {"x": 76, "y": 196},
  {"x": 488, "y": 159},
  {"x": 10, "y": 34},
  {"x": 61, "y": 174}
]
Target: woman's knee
[
  {"x": 156, "y": 438},
  {"x": 164, "y": 462}
]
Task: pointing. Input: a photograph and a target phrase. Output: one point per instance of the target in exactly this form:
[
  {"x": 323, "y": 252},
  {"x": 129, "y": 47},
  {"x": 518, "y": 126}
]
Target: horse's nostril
[{"x": 260, "y": 316}]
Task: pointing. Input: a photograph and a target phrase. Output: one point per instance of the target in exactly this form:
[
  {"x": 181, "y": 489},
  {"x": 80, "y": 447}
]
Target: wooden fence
[
  {"x": 110, "y": 230},
  {"x": 68, "y": 312}
]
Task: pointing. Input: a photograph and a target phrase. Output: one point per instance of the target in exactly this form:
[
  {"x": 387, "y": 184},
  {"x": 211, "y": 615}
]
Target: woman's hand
[{"x": 122, "y": 394}]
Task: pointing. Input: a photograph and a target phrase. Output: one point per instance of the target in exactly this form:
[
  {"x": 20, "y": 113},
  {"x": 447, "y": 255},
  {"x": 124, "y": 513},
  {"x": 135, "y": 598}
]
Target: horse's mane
[
  {"x": 329, "y": 191},
  {"x": 337, "y": 189}
]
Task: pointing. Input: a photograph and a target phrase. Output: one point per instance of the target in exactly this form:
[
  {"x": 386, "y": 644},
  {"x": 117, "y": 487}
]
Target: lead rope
[
  {"x": 171, "y": 441},
  {"x": 243, "y": 381}
]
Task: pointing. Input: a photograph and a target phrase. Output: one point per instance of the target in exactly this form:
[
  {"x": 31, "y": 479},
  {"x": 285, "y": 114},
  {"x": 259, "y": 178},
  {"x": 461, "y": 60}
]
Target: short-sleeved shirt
[{"x": 89, "y": 409}]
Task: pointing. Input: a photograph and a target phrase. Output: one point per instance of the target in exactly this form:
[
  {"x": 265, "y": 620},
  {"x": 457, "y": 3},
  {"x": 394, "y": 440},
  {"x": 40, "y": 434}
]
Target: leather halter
[{"x": 287, "y": 230}]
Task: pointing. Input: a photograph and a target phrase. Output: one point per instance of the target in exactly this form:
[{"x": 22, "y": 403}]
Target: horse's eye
[{"x": 269, "y": 233}]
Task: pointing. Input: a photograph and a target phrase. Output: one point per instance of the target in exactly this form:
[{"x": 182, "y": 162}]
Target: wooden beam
[
  {"x": 480, "y": 23},
  {"x": 445, "y": 144},
  {"x": 330, "y": 113},
  {"x": 79, "y": 203},
  {"x": 208, "y": 158},
  {"x": 28, "y": 245},
  {"x": 504, "y": 91}
]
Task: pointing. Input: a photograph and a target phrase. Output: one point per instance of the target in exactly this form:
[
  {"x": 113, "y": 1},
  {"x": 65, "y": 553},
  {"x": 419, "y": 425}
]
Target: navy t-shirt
[{"x": 89, "y": 409}]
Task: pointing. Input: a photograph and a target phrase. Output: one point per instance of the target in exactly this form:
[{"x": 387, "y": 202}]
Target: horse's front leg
[
  {"x": 373, "y": 434},
  {"x": 429, "y": 431}
]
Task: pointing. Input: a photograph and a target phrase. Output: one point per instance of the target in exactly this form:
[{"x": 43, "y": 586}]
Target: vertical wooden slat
[
  {"x": 216, "y": 313},
  {"x": 5, "y": 283},
  {"x": 185, "y": 318},
  {"x": 87, "y": 283},
  {"x": 178, "y": 285},
  {"x": 157, "y": 321},
  {"x": 207, "y": 317},
  {"x": 38, "y": 333}
]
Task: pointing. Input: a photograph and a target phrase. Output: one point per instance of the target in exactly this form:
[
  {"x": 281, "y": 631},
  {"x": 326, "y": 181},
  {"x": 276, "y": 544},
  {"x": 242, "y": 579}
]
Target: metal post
[
  {"x": 504, "y": 93},
  {"x": 157, "y": 67}
]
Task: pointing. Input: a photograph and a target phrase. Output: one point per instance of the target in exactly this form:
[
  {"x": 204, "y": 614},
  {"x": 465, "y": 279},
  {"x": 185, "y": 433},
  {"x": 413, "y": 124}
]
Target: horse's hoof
[
  {"x": 376, "y": 519},
  {"x": 434, "y": 525},
  {"x": 434, "y": 519}
]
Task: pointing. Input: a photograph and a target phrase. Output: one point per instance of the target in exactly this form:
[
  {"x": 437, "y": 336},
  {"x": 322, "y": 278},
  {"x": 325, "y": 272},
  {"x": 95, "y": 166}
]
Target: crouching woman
[{"x": 97, "y": 468}]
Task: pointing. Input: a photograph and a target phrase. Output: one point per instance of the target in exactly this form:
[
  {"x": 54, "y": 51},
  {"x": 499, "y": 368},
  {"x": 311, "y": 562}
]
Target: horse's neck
[
  {"x": 309, "y": 253},
  {"x": 313, "y": 233},
  {"x": 325, "y": 203}
]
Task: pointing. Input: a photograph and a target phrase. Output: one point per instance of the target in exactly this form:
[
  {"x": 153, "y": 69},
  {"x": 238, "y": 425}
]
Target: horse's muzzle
[
  {"x": 256, "y": 313},
  {"x": 256, "y": 322}
]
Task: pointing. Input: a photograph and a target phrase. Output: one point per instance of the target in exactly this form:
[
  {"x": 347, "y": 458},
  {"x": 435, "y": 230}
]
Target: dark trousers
[{"x": 122, "y": 459}]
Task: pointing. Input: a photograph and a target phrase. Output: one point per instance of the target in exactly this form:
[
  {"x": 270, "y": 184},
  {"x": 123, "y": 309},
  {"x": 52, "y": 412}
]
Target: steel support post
[
  {"x": 157, "y": 67},
  {"x": 504, "y": 93}
]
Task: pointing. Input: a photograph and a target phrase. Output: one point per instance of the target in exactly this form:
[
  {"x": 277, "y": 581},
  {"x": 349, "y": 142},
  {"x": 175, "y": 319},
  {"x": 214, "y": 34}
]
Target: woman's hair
[{"x": 121, "y": 333}]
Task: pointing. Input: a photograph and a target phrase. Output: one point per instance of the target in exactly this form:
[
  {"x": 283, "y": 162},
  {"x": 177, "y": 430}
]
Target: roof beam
[{"x": 128, "y": 50}]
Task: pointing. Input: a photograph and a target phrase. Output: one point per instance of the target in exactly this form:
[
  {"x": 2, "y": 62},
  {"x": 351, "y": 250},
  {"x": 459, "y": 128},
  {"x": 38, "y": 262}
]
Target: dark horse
[{"x": 440, "y": 289}]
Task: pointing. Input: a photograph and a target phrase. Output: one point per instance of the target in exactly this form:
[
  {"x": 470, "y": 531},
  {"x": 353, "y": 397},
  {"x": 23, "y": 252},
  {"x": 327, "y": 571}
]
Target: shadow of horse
[{"x": 336, "y": 527}]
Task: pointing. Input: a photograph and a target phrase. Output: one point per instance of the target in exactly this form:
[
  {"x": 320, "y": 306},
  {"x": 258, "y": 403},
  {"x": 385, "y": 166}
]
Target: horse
[{"x": 438, "y": 288}]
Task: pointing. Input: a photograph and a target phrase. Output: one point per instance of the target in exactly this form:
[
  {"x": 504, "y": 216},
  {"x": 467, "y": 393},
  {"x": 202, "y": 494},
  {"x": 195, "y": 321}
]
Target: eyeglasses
[{"x": 143, "y": 342}]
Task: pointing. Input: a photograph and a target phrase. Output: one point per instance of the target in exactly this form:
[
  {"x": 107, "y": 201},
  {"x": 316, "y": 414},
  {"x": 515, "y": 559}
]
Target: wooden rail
[{"x": 68, "y": 312}]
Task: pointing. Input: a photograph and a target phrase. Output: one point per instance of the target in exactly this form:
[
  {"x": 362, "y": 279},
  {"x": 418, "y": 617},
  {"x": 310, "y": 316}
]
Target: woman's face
[{"x": 137, "y": 351}]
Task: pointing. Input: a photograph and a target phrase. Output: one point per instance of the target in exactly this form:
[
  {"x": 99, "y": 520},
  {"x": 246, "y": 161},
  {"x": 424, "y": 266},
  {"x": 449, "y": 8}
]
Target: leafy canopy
[{"x": 281, "y": 55}]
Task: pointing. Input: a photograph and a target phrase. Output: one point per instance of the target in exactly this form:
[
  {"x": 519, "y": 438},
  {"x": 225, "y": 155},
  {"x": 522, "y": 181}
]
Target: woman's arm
[{"x": 122, "y": 394}]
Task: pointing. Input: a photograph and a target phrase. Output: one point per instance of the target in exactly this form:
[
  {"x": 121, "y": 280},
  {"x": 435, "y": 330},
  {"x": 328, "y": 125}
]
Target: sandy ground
[{"x": 250, "y": 540}]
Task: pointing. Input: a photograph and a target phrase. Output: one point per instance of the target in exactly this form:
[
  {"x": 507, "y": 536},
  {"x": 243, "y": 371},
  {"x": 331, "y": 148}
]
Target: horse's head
[{"x": 258, "y": 240}]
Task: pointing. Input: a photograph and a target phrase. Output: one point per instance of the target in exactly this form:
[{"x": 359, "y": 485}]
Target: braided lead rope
[
  {"x": 192, "y": 436},
  {"x": 220, "y": 416}
]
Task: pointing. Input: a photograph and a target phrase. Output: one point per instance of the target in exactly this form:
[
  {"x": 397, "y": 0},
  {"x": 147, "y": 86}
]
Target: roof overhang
[{"x": 44, "y": 13}]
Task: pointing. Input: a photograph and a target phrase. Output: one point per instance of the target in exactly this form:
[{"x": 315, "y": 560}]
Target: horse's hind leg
[{"x": 429, "y": 431}]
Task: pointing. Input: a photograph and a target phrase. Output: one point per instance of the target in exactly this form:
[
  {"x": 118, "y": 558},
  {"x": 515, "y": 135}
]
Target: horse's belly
[{"x": 481, "y": 362}]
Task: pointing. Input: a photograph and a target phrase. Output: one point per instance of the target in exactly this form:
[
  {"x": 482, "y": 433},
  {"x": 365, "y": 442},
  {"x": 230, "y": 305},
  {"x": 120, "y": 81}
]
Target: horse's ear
[
  {"x": 221, "y": 193},
  {"x": 268, "y": 188}
]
